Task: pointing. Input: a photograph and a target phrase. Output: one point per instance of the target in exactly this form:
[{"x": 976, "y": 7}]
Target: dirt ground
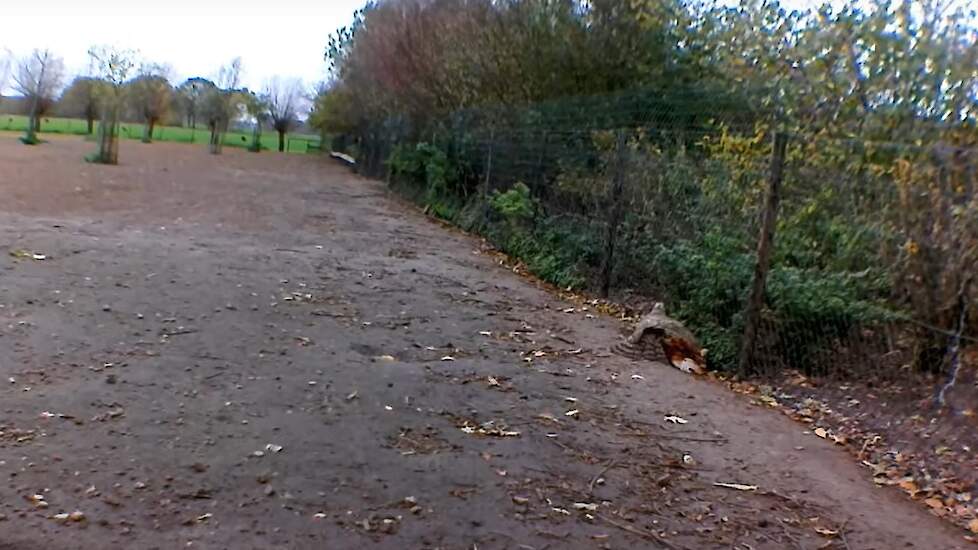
[{"x": 265, "y": 351}]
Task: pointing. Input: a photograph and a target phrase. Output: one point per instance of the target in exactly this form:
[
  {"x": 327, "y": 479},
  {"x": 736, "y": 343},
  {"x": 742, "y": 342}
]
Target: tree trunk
[
  {"x": 614, "y": 216},
  {"x": 37, "y": 123},
  {"x": 214, "y": 146},
  {"x": 281, "y": 141},
  {"x": 148, "y": 131},
  {"x": 90, "y": 119},
  {"x": 108, "y": 141},
  {"x": 765, "y": 246},
  {"x": 31, "y": 137},
  {"x": 256, "y": 139}
]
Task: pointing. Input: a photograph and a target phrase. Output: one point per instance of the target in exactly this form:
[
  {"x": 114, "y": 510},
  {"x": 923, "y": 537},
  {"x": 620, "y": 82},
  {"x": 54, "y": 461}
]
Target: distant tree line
[{"x": 144, "y": 93}]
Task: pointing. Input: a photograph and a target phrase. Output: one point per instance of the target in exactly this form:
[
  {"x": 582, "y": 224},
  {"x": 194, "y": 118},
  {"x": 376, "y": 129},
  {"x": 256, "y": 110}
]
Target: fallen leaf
[
  {"x": 448, "y": 358},
  {"x": 638, "y": 377},
  {"x": 273, "y": 448},
  {"x": 388, "y": 358},
  {"x": 676, "y": 420},
  {"x": 586, "y": 506},
  {"x": 821, "y": 432},
  {"x": 973, "y": 526},
  {"x": 319, "y": 515},
  {"x": 826, "y": 532},
  {"x": 573, "y": 412},
  {"x": 485, "y": 333},
  {"x": 934, "y": 503},
  {"x": 737, "y": 486}
]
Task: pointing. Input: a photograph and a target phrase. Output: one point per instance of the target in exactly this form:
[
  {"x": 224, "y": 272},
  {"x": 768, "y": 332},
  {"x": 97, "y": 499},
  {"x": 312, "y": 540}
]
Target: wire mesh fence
[{"x": 871, "y": 248}]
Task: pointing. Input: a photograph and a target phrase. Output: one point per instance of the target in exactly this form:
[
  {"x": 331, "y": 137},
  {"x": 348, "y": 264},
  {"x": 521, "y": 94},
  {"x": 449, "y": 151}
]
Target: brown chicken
[{"x": 679, "y": 344}]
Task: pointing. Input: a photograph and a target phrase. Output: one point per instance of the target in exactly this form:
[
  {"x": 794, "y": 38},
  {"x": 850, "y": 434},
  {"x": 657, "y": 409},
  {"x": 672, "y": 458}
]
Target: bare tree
[
  {"x": 149, "y": 95},
  {"x": 38, "y": 78},
  {"x": 219, "y": 105},
  {"x": 114, "y": 67},
  {"x": 284, "y": 97},
  {"x": 5, "y": 63}
]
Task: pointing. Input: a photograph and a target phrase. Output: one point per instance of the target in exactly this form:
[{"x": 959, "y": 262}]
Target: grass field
[{"x": 269, "y": 139}]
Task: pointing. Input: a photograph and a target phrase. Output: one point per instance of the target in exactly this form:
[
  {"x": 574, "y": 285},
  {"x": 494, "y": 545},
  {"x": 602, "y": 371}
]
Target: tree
[
  {"x": 114, "y": 67},
  {"x": 332, "y": 112},
  {"x": 190, "y": 95},
  {"x": 5, "y": 63},
  {"x": 80, "y": 99},
  {"x": 219, "y": 105},
  {"x": 283, "y": 97},
  {"x": 38, "y": 78},
  {"x": 149, "y": 95},
  {"x": 256, "y": 107}
]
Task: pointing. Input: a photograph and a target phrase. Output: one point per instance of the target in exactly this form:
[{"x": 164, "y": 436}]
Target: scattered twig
[
  {"x": 953, "y": 352},
  {"x": 178, "y": 332},
  {"x": 789, "y": 536},
  {"x": 842, "y": 534},
  {"x": 605, "y": 470},
  {"x": 639, "y": 433},
  {"x": 647, "y": 535}
]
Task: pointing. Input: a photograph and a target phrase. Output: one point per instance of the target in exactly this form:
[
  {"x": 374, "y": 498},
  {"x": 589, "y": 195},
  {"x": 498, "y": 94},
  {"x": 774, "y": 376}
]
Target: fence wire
[{"x": 874, "y": 242}]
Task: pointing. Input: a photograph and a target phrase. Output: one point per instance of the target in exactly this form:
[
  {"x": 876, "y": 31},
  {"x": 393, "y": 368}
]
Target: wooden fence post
[
  {"x": 614, "y": 215},
  {"x": 765, "y": 244}
]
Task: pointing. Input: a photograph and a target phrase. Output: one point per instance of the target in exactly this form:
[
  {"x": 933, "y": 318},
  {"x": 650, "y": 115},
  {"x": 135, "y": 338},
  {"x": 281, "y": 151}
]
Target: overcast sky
[{"x": 195, "y": 37}]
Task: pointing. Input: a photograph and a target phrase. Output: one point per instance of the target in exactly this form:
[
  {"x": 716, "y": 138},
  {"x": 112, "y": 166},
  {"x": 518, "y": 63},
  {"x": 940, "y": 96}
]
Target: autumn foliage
[{"x": 476, "y": 104}]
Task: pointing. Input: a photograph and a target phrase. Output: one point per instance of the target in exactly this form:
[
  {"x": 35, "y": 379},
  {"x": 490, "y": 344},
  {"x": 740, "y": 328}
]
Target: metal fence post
[{"x": 765, "y": 244}]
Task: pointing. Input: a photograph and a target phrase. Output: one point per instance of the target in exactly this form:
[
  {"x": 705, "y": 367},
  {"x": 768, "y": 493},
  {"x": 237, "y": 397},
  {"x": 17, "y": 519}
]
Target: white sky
[{"x": 195, "y": 37}]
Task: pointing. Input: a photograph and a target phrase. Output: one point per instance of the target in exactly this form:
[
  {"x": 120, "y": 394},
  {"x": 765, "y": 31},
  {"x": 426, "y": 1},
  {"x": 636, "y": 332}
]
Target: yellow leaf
[
  {"x": 934, "y": 503},
  {"x": 973, "y": 526},
  {"x": 909, "y": 486},
  {"x": 821, "y": 432}
]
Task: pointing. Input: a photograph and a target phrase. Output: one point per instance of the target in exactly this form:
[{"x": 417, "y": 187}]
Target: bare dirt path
[{"x": 264, "y": 351}]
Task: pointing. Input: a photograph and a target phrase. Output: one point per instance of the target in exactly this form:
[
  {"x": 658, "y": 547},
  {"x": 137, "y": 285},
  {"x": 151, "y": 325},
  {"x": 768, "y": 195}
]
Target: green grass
[{"x": 71, "y": 126}]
